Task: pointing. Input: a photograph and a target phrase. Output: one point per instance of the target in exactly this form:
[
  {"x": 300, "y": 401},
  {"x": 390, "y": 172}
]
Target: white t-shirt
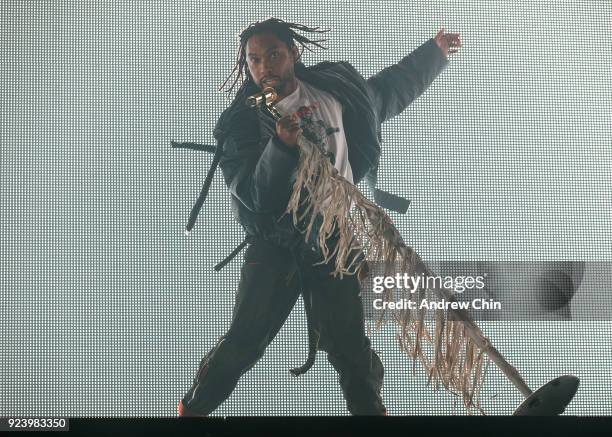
[{"x": 320, "y": 117}]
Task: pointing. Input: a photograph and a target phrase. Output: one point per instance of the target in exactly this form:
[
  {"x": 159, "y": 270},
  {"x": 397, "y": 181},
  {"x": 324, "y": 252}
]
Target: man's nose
[{"x": 266, "y": 67}]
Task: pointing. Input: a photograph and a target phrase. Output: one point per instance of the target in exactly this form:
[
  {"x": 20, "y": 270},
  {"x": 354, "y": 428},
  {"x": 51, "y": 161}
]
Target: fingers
[
  {"x": 291, "y": 118},
  {"x": 450, "y": 39},
  {"x": 292, "y": 127},
  {"x": 290, "y": 122},
  {"x": 288, "y": 129},
  {"x": 449, "y": 36},
  {"x": 453, "y": 42}
]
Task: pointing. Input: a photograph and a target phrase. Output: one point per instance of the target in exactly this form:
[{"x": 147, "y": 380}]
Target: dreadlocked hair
[{"x": 285, "y": 31}]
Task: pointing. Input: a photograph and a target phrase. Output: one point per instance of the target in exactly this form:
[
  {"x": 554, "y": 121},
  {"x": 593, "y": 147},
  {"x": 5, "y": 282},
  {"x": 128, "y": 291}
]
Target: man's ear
[{"x": 296, "y": 54}]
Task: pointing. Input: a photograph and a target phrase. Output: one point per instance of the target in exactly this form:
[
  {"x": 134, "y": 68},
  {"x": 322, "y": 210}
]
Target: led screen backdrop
[{"x": 107, "y": 304}]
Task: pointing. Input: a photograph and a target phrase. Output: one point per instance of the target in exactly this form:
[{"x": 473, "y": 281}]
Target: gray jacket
[{"x": 257, "y": 168}]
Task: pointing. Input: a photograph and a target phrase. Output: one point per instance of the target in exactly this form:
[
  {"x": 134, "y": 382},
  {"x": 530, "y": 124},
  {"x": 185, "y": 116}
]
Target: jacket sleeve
[
  {"x": 395, "y": 87},
  {"x": 259, "y": 180}
]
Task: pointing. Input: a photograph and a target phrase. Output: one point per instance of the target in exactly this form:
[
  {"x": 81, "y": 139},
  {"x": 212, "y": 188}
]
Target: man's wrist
[
  {"x": 443, "y": 55},
  {"x": 289, "y": 147},
  {"x": 293, "y": 150}
]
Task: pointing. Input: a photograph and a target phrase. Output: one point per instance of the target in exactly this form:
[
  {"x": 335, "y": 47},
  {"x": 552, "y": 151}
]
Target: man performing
[{"x": 332, "y": 106}]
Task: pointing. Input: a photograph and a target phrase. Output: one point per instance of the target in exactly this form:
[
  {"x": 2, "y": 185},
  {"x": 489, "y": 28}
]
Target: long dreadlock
[{"x": 285, "y": 31}]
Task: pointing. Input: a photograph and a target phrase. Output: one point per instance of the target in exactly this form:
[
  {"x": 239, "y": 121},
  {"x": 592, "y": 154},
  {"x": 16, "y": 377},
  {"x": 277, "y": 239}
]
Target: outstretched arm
[{"x": 396, "y": 86}]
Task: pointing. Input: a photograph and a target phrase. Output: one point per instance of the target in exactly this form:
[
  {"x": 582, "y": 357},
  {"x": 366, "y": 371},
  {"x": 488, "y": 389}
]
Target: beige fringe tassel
[{"x": 449, "y": 356}]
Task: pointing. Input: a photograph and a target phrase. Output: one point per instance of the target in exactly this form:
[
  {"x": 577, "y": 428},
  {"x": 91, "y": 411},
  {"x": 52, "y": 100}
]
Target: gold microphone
[{"x": 267, "y": 96}]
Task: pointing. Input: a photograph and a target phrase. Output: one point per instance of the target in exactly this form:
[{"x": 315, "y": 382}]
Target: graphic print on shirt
[{"x": 315, "y": 130}]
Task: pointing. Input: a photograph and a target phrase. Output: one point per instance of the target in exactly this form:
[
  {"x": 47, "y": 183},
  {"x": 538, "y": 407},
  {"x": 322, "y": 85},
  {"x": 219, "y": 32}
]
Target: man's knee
[
  {"x": 234, "y": 355},
  {"x": 366, "y": 365},
  {"x": 222, "y": 366},
  {"x": 219, "y": 373}
]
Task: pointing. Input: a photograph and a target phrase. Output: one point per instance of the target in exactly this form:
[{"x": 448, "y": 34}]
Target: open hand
[{"x": 448, "y": 42}]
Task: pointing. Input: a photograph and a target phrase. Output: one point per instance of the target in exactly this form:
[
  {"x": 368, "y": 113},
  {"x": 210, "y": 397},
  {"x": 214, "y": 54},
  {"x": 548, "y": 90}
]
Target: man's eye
[{"x": 274, "y": 55}]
